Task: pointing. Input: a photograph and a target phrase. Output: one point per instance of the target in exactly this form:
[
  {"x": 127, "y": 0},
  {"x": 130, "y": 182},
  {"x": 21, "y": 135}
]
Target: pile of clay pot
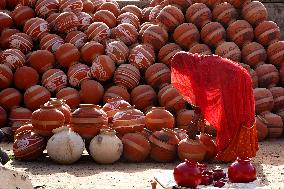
[
  {"x": 109, "y": 132},
  {"x": 90, "y": 51}
]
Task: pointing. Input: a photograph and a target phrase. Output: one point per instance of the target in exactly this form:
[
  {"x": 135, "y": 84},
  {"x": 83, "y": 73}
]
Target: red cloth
[{"x": 221, "y": 88}]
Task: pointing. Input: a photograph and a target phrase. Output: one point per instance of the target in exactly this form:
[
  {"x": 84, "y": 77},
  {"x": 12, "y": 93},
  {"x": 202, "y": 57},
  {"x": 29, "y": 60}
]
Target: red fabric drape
[{"x": 221, "y": 88}]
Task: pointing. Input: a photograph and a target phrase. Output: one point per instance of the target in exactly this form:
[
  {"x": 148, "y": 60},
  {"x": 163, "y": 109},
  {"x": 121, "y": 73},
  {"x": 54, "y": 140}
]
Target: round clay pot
[
  {"x": 51, "y": 42},
  {"x": 209, "y": 144},
  {"x": 67, "y": 55},
  {"x": 60, "y": 105},
  {"x": 70, "y": 96},
  {"x": 41, "y": 60},
  {"x": 54, "y": 80},
  {"x": 130, "y": 18},
  {"x": 268, "y": 75},
  {"x": 238, "y": 3},
  {"x": 143, "y": 96},
  {"x": 154, "y": 13},
  {"x": 26, "y": 127},
  {"x": 10, "y": 98},
  {"x": 156, "y": 36},
  {"x": 158, "y": 118},
  {"x": 129, "y": 82},
  {"x": 186, "y": 35},
  {"x": 77, "y": 38},
  {"x": 77, "y": 73},
  {"x": 90, "y": 51},
  {"x": 158, "y": 74},
  {"x": 229, "y": 50},
  {"x": 5, "y": 21},
  {"x": 254, "y": 12},
  {"x": 116, "y": 91},
  {"x": 213, "y": 34},
  {"x": 191, "y": 149},
  {"x": 263, "y": 100},
  {"x": 278, "y": 97},
  {"x": 43, "y": 8},
  {"x": 198, "y": 14},
  {"x": 36, "y": 28},
  {"x": 6, "y": 76},
  {"x": 133, "y": 9},
  {"x": 86, "y": 93},
  {"x": 117, "y": 51},
  {"x": 267, "y": 32},
  {"x": 125, "y": 32},
  {"x": 145, "y": 13},
  {"x": 275, "y": 53},
  {"x": 103, "y": 68},
  {"x": 66, "y": 22},
  {"x": 200, "y": 49},
  {"x": 106, "y": 17},
  {"x": 98, "y": 31},
  {"x": 13, "y": 58},
  {"x": 21, "y": 80},
  {"x": 5, "y": 35},
  {"x": 183, "y": 118},
  {"x": 70, "y": 6},
  {"x": 167, "y": 52},
  {"x": 35, "y": 96},
  {"x": 21, "y": 41},
  {"x": 110, "y": 6},
  {"x": 19, "y": 116},
  {"x": 88, "y": 6},
  {"x": 254, "y": 54},
  {"x": 21, "y": 14},
  {"x": 274, "y": 124},
  {"x": 85, "y": 20},
  {"x": 261, "y": 126},
  {"x": 225, "y": 13},
  {"x": 142, "y": 56}
]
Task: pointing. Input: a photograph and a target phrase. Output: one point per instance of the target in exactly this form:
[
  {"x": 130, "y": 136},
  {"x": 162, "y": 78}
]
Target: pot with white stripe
[
  {"x": 71, "y": 97},
  {"x": 47, "y": 118},
  {"x": 254, "y": 54},
  {"x": 267, "y": 32},
  {"x": 263, "y": 100},
  {"x": 213, "y": 34},
  {"x": 19, "y": 116},
  {"x": 62, "y": 107},
  {"x": 268, "y": 75},
  {"x": 158, "y": 118},
  {"x": 225, "y": 13},
  {"x": 143, "y": 96},
  {"x": 186, "y": 35},
  {"x": 87, "y": 120}
]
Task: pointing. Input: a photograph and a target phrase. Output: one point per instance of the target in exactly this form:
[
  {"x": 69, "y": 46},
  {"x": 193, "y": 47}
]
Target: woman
[{"x": 222, "y": 90}]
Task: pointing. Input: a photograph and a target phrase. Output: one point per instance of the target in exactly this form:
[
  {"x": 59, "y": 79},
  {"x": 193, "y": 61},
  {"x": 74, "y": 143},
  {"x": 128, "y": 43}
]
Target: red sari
[{"x": 222, "y": 89}]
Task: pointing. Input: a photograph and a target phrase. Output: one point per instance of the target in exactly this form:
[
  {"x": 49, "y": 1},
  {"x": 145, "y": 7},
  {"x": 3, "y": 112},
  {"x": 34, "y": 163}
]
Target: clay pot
[
  {"x": 191, "y": 149},
  {"x": 242, "y": 171},
  {"x": 157, "y": 75},
  {"x": 158, "y": 118},
  {"x": 25, "y": 128},
  {"x": 84, "y": 19},
  {"x": 156, "y": 36},
  {"x": 229, "y": 50},
  {"x": 167, "y": 52},
  {"x": 70, "y": 96},
  {"x": 254, "y": 78},
  {"x": 261, "y": 126},
  {"x": 143, "y": 96},
  {"x": 186, "y": 35},
  {"x": 70, "y": 6},
  {"x": 117, "y": 51},
  {"x": 29, "y": 146},
  {"x": 169, "y": 97},
  {"x": 130, "y": 18},
  {"x": 86, "y": 92},
  {"x": 132, "y": 9},
  {"x": 51, "y": 19},
  {"x": 183, "y": 118},
  {"x": 225, "y": 13},
  {"x": 54, "y": 80},
  {"x": 33, "y": 100},
  {"x": 21, "y": 41},
  {"x": 88, "y": 6},
  {"x": 254, "y": 54},
  {"x": 200, "y": 49},
  {"x": 21, "y": 14},
  {"x": 66, "y": 22},
  {"x": 10, "y": 98},
  {"x": 116, "y": 91},
  {"x": 78, "y": 73},
  {"x": 19, "y": 116},
  {"x": 163, "y": 145},
  {"x": 254, "y": 12},
  {"x": 263, "y": 100},
  {"x": 136, "y": 148},
  {"x": 6, "y": 75},
  {"x": 170, "y": 17},
  {"x": 90, "y": 51},
  {"x": 98, "y": 31},
  {"x": 181, "y": 133},
  {"x": 187, "y": 174},
  {"x": 111, "y": 6},
  {"x": 13, "y": 58},
  {"x": 213, "y": 34},
  {"x": 268, "y": 75},
  {"x": 209, "y": 144},
  {"x": 51, "y": 42},
  {"x": 30, "y": 3},
  {"x": 106, "y": 17},
  {"x": 240, "y": 32},
  {"x": 267, "y": 32},
  {"x": 238, "y": 3},
  {"x": 60, "y": 105},
  {"x": 77, "y": 38},
  {"x": 5, "y": 21},
  {"x": 278, "y": 97},
  {"x": 154, "y": 12},
  {"x": 274, "y": 124},
  {"x": 46, "y": 119},
  {"x": 132, "y": 79},
  {"x": 5, "y": 35},
  {"x": 128, "y": 120},
  {"x": 43, "y": 8},
  {"x": 3, "y": 117},
  {"x": 67, "y": 55},
  {"x": 36, "y": 28},
  {"x": 126, "y": 33},
  {"x": 97, "y": 4},
  {"x": 275, "y": 53},
  {"x": 142, "y": 29},
  {"x": 21, "y": 81},
  {"x": 198, "y": 14},
  {"x": 145, "y": 13},
  {"x": 142, "y": 56},
  {"x": 87, "y": 120},
  {"x": 41, "y": 60}
]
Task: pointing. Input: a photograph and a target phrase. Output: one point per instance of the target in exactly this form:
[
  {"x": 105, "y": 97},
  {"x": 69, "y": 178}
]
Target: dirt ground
[{"x": 85, "y": 174}]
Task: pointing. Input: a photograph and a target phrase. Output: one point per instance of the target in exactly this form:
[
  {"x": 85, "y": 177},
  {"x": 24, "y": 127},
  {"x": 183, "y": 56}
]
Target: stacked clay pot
[
  {"x": 274, "y": 124},
  {"x": 191, "y": 149},
  {"x": 158, "y": 118}
]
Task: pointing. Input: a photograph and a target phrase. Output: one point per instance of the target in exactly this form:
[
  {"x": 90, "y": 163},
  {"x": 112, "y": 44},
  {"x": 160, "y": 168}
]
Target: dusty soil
[{"x": 86, "y": 174}]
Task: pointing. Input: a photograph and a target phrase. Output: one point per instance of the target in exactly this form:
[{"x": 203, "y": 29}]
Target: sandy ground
[{"x": 86, "y": 174}]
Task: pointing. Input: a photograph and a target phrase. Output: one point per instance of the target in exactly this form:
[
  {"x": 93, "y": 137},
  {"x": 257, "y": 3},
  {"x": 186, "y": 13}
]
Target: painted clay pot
[
  {"x": 156, "y": 36},
  {"x": 267, "y": 32},
  {"x": 261, "y": 126},
  {"x": 36, "y": 28},
  {"x": 88, "y": 6},
  {"x": 6, "y": 75},
  {"x": 229, "y": 50},
  {"x": 143, "y": 96},
  {"x": 21, "y": 14},
  {"x": 85, "y": 20},
  {"x": 116, "y": 92},
  {"x": 167, "y": 52},
  {"x": 132, "y": 79},
  {"x": 66, "y": 22},
  {"x": 51, "y": 42},
  {"x": 98, "y": 31},
  {"x": 70, "y": 96},
  {"x": 125, "y": 32},
  {"x": 254, "y": 54},
  {"x": 213, "y": 34},
  {"x": 157, "y": 75},
  {"x": 86, "y": 92},
  {"x": 13, "y": 58},
  {"x": 274, "y": 124},
  {"x": 183, "y": 118},
  {"x": 133, "y": 9},
  {"x": 198, "y": 14},
  {"x": 54, "y": 80},
  {"x": 117, "y": 51},
  {"x": 142, "y": 56},
  {"x": 5, "y": 35},
  {"x": 43, "y": 8},
  {"x": 21, "y": 41},
  {"x": 200, "y": 49},
  {"x": 275, "y": 53},
  {"x": 268, "y": 75},
  {"x": 154, "y": 13},
  {"x": 145, "y": 13},
  {"x": 106, "y": 17},
  {"x": 225, "y": 13},
  {"x": 67, "y": 55},
  {"x": 87, "y": 120},
  {"x": 158, "y": 118},
  {"x": 41, "y": 60},
  {"x": 6, "y": 21},
  {"x": 70, "y": 6},
  {"x": 110, "y": 6},
  {"x": 10, "y": 98},
  {"x": 254, "y": 12},
  {"x": 60, "y": 105},
  {"x": 77, "y": 73},
  {"x": 278, "y": 97},
  {"x": 19, "y": 116},
  {"x": 129, "y": 18},
  {"x": 21, "y": 80},
  {"x": 77, "y": 38},
  {"x": 90, "y": 51},
  {"x": 191, "y": 149},
  {"x": 209, "y": 144},
  {"x": 35, "y": 96},
  {"x": 186, "y": 35},
  {"x": 19, "y": 131},
  {"x": 263, "y": 100}
]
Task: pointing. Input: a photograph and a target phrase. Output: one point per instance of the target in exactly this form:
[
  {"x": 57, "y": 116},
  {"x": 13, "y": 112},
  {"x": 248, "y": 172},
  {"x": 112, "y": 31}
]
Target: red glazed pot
[
  {"x": 263, "y": 100},
  {"x": 267, "y": 32},
  {"x": 19, "y": 116},
  {"x": 242, "y": 171},
  {"x": 156, "y": 36},
  {"x": 60, "y": 105},
  {"x": 132, "y": 79},
  {"x": 10, "y": 98},
  {"x": 21, "y": 14},
  {"x": 133, "y": 9},
  {"x": 87, "y": 94},
  {"x": 130, "y": 18},
  {"x": 157, "y": 75},
  {"x": 44, "y": 8},
  {"x": 117, "y": 51},
  {"x": 186, "y": 35},
  {"x": 21, "y": 41},
  {"x": 70, "y": 96},
  {"x": 191, "y": 149},
  {"x": 77, "y": 74},
  {"x": 13, "y": 58},
  {"x": 6, "y": 76},
  {"x": 21, "y": 80},
  {"x": 85, "y": 20},
  {"x": 261, "y": 126},
  {"x": 142, "y": 56},
  {"x": 143, "y": 96},
  {"x": 103, "y": 68},
  {"x": 28, "y": 127},
  {"x": 187, "y": 174},
  {"x": 67, "y": 55},
  {"x": 90, "y": 51},
  {"x": 209, "y": 144},
  {"x": 116, "y": 91},
  {"x": 167, "y": 52},
  {"x": 198, "y": 14},
  {"x": 254, "y": 12},
  {"x": 225, "y": 13},
  {"x": 274, "y": 124},
  {"x": 35, "y": 96},
  {"x": 98, "y": 31},
  {"x": 213, "y": 34},
  {"x": 183, "y": 118},
  {"x": 200, "y": 49},
  {"x": 158, "y": 118},
  {"x": 126, "y": 33}
]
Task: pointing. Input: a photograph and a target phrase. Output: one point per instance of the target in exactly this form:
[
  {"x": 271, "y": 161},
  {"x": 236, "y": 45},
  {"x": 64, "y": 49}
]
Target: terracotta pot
[
  {"x": 154, "y": 12},
  {"x": 261, "y": 126},
  {"x": 73, "y": 5},
  {"x": 169, "y": 97},
  {"x": 97, "y": 4},
  {"x": 5, "y": 35},
  {"x": 25, "y": 128},
  {"x": 200, "y": 49},
  {"x": 90, "y": 51},
  {"x": 46, "y": 119},
  {"x": 77, "y": 38},
  {"x": 181, "y": 133},
  {"x": 274, "y": 124},
  {"x": 54, "y": 80},
  {"x": 103, "y": 68},
  {"x": 142, "y": 56},
  {"x": 229, "y": 50},
  {"x": 114, "y": 105},
  {"x": 213, "y": 34},
  {"x": 29, "y": 146},
  {"x": 116, "y": 91},
  {"x": 163, "y": 145},
  {"x": 130, "y": 18},
  {"x": 242, "y": 171},
  {"x": 267, "y": 32},
  {"x": 167, "y": 52},
  {"x": 158, "y": 118},
  {"x": 85, "y": 19},
  {"x": 240, "y": 32},
  {"x": 254, "y": 78},
  {"x": 186, "y": 35},
  {"x": 13, "y": 58},
  {"x": 43, "y": 8},
  {"x": 19, "y": 116},
  {"x": 117, "y": 51},
  {"x": 187, "y": 174},
  {"x": 7, "y": 76},
  {"x": 143, "y": 96},
  {"x": 87, "y": 120},
  {"x": 145, "y": 13},
  {"x": 98, "y": 31},
  {"x": 41, "y": 60},
  {"x": 36, "y": 28},
  {"x": 70, "y": 96},
  {"x": 157, "y": 75},
  {"x": 21, "y": 81},
  {"x": 21, "y": 14},
  {"x": 10, "y": 98},
  {"x": 111, "y": 6},
  {"x": 67, "y": 55},
  {"x": 21, "y": 41},
  {"x": 254, "y": 12},
  {"x": 60, "y": 105},
  {"x": 128, "y": 120},
  {"x": 136, "y": 147},
  {"x": 275, "y": 53},
  {"x": 254, "y": 54},
  {"x": 88, "y": 6},
  {"x": 209, "y": 144},
  {"x": 183, "y": 118},
  {"x": 51, "y": 19},
  {"x": 51, "y": 42},
  {"x": 156, "y": 36},
  {"x": 125, "y": 32},
  {"x": 268, "y": 75},
  {"x": 278, "y": 97},
  {"x": 86, "y": 92},
  {"x": 129, "y": 82},
  {"x": 3, "y": 117},
  {"x": 133, "y": 9},
  {"x": 66, "y": 22},
  {"x": 142, "y": 29},
  {"x": 6, "y": 21},
  {"x": 191, "y": 149},
  {"x": 198, "y": 14},
  {"x": 78, "y": 73},
  {"x": 238, "y": 3},
  {"x": 225, "y": 13},
  {"x": 35, "y": 96},
  {"x": 106, "y": 17},
  {"x": 263, "y": 100}
]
